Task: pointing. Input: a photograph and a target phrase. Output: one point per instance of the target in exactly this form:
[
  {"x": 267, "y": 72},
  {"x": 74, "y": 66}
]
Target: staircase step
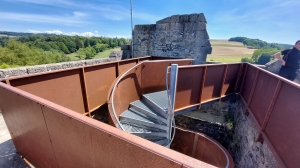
[
  {"x": 158, "y": 101},
  {"x": 163, "y": 142},
  {"x": 147, "y": 133},
  {"x": 141, "y": 106},
  {"x": 129, "y": 116}
]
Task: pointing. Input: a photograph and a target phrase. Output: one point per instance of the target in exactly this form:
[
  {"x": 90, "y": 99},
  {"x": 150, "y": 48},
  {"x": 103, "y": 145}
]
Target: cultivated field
[
  {"x": 104, "y": 54},
  {"x": 228, "y": 51}
]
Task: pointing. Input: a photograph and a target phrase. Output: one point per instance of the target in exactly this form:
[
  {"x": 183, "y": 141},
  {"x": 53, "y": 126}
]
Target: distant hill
[
  {"x": 23, "y": 34},
  {"x": 285, "y": 46}
]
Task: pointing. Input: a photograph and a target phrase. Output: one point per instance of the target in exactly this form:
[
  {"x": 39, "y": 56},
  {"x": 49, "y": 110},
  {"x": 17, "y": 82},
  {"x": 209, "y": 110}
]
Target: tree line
[
  {"x": 264, "y": 51},
  {"x": 40, "y": 49}
]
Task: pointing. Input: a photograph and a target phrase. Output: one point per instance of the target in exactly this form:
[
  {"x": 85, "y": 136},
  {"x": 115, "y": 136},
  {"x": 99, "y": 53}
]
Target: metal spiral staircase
[{"x": 152, "y": 117}]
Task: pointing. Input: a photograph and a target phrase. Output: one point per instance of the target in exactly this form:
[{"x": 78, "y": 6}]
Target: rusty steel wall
[
  {"x": 82, "y": 89},
  {"x": 154, "y": 74},
  {"x": 188, "y": 86},
  {"x": 273, "y": 103},
  {"x": 202, "y": 83},
  {"x": 25, "y": 121},
  {"x": 49, "y": 135},
  {"x": 63, "y": 88},
  {"x": 201, "y": 147},
  {"x": 98, "y": 80}
]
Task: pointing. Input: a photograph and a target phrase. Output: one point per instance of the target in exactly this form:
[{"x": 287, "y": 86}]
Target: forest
[
  {"x": 34, "y": 49},
  {"x": 264, "y": 51}
]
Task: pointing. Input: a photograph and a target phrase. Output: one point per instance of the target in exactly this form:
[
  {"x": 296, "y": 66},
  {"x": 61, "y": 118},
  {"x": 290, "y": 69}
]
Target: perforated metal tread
[
  {"x": 129, "y": 116},
  {"x": 142, "y": 106},
  {"x": 162, "y": 142},
  {"x": 159, "y": 99},
  {"x": 148, "y": 133}
]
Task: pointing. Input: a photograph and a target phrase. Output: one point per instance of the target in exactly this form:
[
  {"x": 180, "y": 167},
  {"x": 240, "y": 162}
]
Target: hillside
[{"x": 228, "y": 51}]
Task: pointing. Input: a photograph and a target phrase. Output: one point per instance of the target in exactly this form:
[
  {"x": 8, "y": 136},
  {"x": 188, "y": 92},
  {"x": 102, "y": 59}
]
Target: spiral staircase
[{"x": 152, "y": 117}]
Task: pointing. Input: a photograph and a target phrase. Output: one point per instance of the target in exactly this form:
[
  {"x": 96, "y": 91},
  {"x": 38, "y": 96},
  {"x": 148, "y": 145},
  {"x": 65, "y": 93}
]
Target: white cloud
[
  {"x": 76, "y": 19},
  {"x": 54, "y": 32},
  {"x": 34, "y": 31}
]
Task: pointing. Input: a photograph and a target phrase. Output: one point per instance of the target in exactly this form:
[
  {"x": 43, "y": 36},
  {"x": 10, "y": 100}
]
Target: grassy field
[
  {"x": 228, "y": 51},
  {"x": 104, "y": 54}
]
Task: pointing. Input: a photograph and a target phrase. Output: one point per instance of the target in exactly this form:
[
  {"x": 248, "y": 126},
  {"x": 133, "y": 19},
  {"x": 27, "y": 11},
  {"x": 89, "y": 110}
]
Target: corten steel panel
[
  {"x": 79, "y": 141},
  {"x": 25, "y": 121},
  {"x": 240, "y": 79},
  {"x": 125, "y": 65},
  {"x": 231, "y": 78},
  {"x": 248, "y": 82},
  {"x": 213, "y": 82},
  {"x": 188, "y": 86},
  {"x": 183, "y": 142},
  {"x": 144, "y": 59},
  {"x": 162, "y": 58},
  {"x": 63, "y": 88},
  {"x": 283, "y": 128},
  {"x": 98, "y": 81},
  {"x": 154, "y": 75},
  {"x": 127, "y": 90},
  {"x": 202, "y": 148},
  {"x": 262, "y": 96}
]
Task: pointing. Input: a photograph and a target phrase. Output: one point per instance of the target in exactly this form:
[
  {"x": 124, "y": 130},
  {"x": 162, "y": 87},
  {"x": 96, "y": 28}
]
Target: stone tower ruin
[{"x": 178, "y": 36}]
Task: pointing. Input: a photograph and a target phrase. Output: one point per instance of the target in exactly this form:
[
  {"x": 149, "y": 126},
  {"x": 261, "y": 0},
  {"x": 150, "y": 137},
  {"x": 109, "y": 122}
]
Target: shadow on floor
[{"x": 9, "y": 158}]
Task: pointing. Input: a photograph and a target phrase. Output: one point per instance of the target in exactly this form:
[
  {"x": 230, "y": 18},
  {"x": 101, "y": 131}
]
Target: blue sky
[{"x": 269, "y": 20}]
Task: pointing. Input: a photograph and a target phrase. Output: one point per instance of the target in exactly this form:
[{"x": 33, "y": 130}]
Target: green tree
[
  {"x": 265, "y": 58},
  {"x": 79, "y": 43}
]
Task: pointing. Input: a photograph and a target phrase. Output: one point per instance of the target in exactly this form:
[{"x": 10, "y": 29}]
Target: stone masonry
[
  {"x": 4, "y": 73},
  {"x": 179, "y": 36}
]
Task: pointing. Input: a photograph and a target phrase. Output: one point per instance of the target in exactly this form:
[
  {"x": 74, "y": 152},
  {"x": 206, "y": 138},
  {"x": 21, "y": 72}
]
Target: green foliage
[
  {"x": 32, "y": 49},
  {"x": 245, "y": 59},
  {"x": 86, "y": 53},
  {"x": 259, "y": 52},
  {"x": 265, "y": 58},
  {"x": 255, "y": 43},
  {"x": 20, "y": 54}
]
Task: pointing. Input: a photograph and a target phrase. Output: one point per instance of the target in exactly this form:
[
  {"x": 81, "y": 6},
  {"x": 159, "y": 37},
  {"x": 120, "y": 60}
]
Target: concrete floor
[{"x": 8, "y": 156}]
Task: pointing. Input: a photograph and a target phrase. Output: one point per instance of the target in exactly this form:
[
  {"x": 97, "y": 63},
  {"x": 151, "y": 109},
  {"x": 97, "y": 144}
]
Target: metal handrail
[
  {"x": 171, "y": 93},
  {"x": 113, "y": 91}
]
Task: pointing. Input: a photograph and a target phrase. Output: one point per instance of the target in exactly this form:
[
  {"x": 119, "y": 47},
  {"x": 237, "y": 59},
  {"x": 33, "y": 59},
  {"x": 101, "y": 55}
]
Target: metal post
[
  {"x": 171, "y": 96},
  {"x": 132, "y": 54}
]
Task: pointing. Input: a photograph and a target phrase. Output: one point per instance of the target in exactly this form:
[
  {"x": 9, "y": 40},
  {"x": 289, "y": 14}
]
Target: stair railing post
[{"x": 171, "y": 95}]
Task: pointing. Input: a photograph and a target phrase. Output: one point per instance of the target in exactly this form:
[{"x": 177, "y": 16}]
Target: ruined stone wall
[
  {"x": 4, "y": 73},
  {"x": 179, "y": 36}
]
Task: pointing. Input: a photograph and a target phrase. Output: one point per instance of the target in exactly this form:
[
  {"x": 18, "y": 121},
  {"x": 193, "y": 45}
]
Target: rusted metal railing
[{"x": 273, "y": 103}]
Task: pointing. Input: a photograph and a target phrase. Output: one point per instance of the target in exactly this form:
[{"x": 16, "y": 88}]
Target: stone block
[
  {"x": 197, "y": 18},
  {"x": 53, "y": 67},
  {"x": 125, "y": 47},
  {"x": 202, "y": 35},
  {"x": 199, "y": 26},
  {"x": 13, "y": 72},
  {"x": 98, "y": 61},
  {"x": 149, "y": 27},
  {"x": 36, "y": 69},
  {"x": 174, "y": 18},
  {"x": 176, "y": 26},
  {"x": 273, "y": 66},
  {"x": 1, "y": 74},
  {"x": 203, "y": 43},
  {"x": 189, "y": 25},
  {"x": 66, "y": 65},
  {"x": 79, "y": 63},
  {"x": 161, "y": 26}
]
